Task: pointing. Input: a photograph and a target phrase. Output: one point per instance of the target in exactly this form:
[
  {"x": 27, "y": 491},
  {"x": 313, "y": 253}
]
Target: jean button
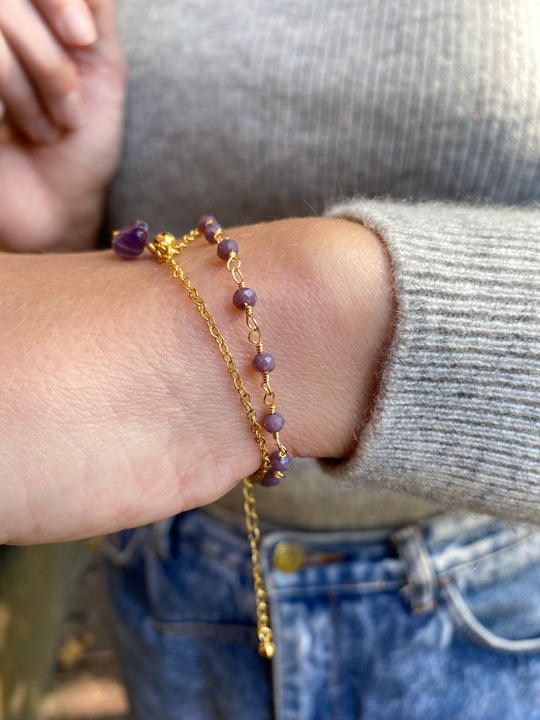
[{"x": 289, "y": 556}]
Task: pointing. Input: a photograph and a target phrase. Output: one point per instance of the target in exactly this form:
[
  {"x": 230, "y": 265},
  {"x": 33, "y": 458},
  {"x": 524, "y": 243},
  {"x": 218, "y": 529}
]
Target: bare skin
[
  {"x": 116, "y": 408},
  {"x": 53, "y": 181}
]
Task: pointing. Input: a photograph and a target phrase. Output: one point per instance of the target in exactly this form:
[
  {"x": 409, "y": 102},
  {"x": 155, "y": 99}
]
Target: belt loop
[
  {"x": 120, "y": 554},
  {"x": 421, "y": 587},
  {"x": 159, "y": 533}
]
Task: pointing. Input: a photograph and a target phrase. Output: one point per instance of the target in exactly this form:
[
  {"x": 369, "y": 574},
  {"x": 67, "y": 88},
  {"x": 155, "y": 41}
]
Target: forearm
[
  {"x": 116, "y": 407},
  {"x": 77, "y": 356}
]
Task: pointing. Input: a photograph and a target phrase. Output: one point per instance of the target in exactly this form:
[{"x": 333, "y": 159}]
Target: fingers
[
  {"x": 71, "y": 19},
  {"x": 20, "y": 101},
  {"x": 39, "y": 82}
]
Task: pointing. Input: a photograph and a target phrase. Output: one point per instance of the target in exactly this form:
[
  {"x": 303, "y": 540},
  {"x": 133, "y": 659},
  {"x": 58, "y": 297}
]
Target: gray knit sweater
[{"x": 262, "y": 109}]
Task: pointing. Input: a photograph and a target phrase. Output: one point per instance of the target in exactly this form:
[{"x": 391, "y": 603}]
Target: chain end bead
[{"x": 267, "y": 650}]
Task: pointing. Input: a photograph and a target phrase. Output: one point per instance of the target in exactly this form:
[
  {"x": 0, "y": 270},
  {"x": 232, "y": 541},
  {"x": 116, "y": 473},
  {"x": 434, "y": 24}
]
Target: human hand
[
  {"x": 62, "y": 87},
  {"x": 130, "y": 414}
]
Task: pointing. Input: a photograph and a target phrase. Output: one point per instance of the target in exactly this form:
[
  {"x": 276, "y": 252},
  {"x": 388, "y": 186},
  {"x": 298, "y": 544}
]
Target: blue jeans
[{"x": 437, "y": 620}]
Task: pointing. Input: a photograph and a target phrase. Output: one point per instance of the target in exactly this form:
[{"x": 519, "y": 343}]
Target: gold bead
[{"x": 166, "y": 239}]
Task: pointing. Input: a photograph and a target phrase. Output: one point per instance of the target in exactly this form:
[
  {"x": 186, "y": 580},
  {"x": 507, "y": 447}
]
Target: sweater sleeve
[{"x": 456, "y": 417}]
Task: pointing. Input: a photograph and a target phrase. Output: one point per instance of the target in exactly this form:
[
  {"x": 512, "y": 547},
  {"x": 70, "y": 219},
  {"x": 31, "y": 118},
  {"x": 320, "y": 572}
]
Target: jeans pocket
[
  {"x": 503, "y": 618},
  {"x": 202, "y": 586}
]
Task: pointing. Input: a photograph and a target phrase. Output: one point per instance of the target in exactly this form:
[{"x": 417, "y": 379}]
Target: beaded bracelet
[
  {"x": 131, "y": 242},
  {"x": 244, "y": 299}
]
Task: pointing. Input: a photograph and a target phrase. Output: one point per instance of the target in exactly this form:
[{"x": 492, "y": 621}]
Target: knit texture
[
  {"x": 458, "y": 410},
  {"x": 258, "y": 109}
]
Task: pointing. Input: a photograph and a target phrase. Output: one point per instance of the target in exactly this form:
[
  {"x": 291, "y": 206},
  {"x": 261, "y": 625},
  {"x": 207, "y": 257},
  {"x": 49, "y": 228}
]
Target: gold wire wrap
[
  {"x": 164, "y": 248},
  {"x": 255, "y": 338},
  {"x": 172, "y": 245}
]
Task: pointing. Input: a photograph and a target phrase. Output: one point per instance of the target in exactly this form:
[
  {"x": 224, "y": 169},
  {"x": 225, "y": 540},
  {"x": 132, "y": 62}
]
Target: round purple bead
[
  {"x": 273, "y": 422},
  {"x": 205, "y": 220},
  {"x": 269, "y": 480},
  {"x": 225, "y": 247},
  {"x": 244, "y": 296},
  {"x": 130, "y": 241},
  {"x": 280, "y": 463},
  {"x": 264, "y": 362},
  {"x": 210, "y": 230}
]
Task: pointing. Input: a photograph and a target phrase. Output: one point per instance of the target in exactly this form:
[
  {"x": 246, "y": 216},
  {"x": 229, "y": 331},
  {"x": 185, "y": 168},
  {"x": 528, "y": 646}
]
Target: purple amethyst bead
[
  {"x": 280, "y": 463},
  {"x": 244, "y": 296},
  {"x": 225, "y": 247},
  {"x": 210, "y": 230},
  {"x": 273, "y": 422},
  {"x": 264, "y": 362},
  {"x": 205, "y": 220},
  {"x": 269, "y": 480},
  {"x": 130, "y": 241}
]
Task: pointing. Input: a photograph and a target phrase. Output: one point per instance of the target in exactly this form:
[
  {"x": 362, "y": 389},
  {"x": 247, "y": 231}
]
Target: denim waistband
[
  {"x": 468, "y": 549},
  {"x": 419, "y": 557}
]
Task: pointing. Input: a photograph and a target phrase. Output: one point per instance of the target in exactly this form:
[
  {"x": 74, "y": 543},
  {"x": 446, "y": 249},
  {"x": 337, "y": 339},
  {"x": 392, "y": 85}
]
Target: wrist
[
  {"x": 345, "y": 280},
  {"x": 325, "y": 308},
  {"x": 117, "y": 409}
]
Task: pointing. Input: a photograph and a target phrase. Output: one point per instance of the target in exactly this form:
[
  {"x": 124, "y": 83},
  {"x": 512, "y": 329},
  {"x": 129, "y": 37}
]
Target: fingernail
[
  {"x": 77, "y": 26},
  {"x": 72, "y": 110},
  {"x": 43, "y": 131}
]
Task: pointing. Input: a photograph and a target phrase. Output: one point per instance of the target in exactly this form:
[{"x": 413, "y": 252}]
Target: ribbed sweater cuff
[{"x": 456, "y": 418}]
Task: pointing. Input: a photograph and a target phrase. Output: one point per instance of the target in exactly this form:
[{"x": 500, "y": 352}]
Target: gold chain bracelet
[
  {"x": 130, "y": 242},
  {"x": 164, "y": 248}
]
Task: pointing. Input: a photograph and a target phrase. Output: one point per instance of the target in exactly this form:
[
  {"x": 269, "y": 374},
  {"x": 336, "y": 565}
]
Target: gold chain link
[
  {"x": 264, "y": 632},
  {"x": 165, "y": 247}
]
